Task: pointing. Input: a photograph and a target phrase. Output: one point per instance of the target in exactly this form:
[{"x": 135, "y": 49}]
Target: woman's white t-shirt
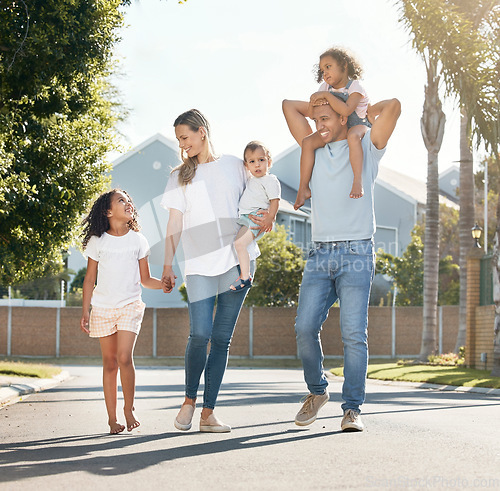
[
  {"x": 118, "y": 275},
  {"x": 209, "y": 207}
]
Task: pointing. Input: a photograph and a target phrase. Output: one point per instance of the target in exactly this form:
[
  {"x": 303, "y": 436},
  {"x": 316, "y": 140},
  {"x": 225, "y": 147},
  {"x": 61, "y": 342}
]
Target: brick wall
[
  {"x": 484, "y": 322},
  {"x": 480, "y": 319},
  {"x": 34, "y": 332}
]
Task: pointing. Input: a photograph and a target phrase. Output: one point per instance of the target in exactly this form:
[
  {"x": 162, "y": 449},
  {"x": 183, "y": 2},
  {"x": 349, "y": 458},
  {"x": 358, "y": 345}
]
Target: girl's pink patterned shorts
[{"x": 105, "y": 322}]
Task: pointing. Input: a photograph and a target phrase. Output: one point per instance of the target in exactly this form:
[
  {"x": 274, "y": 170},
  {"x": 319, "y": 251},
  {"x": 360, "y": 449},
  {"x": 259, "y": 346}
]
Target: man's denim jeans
[{"x": 344, "y": 271}]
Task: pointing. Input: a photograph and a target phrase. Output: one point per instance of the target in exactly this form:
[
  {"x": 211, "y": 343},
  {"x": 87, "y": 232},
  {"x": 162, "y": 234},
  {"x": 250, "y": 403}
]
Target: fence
[
  {"x": 261, "y": 332},
  {"x": 24, "y": 296}
]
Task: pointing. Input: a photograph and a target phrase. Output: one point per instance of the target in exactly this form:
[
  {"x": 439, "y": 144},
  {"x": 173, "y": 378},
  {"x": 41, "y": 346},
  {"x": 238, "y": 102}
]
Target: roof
[
  {"x": 158, "y": 137},
  {"x": 407, "y": 187},
  {"x": 453, "y": 169},
  {"x": 287, "y": 207}
]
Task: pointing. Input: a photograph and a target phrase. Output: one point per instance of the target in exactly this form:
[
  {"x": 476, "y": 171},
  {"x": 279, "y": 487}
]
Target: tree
[
  {"x": 78, "y": 280},
  {"x": 407, "y": 273},
  {"x": 47, "y": 287},
  {"x": 451, "y": 35},
  {"x": 56, "y": 125},
  {"x": 279, "y": 271}
]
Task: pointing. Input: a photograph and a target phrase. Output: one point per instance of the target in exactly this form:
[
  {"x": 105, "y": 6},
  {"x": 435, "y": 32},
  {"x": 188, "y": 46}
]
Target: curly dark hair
[
  {"x": 345, "y": 59},
  {"x": 96, "y": 222}
]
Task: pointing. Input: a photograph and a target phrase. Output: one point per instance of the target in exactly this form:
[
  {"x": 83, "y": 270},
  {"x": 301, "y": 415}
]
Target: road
[{"x": 415, "y": 438}]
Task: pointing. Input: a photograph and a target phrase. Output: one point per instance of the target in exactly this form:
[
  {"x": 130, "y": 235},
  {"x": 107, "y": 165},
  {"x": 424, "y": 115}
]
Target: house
[{"x": 449, "y": 182}]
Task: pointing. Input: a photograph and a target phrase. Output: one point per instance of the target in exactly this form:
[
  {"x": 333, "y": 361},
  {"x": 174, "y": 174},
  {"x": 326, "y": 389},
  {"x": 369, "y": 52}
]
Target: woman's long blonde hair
[{"x": 195, "y": 120}]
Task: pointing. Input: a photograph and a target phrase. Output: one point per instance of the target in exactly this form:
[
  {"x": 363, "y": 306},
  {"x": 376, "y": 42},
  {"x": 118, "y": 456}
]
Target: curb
[
  {"x": 427, "y": 386},
  {"x": 15, "y": 388}
]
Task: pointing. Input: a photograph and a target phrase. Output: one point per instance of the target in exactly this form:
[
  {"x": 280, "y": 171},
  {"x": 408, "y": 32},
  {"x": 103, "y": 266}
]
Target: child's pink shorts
[{"x": 105, "y": 322}]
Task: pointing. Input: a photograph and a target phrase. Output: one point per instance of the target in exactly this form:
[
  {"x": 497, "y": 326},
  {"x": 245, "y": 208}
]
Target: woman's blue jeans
[
  {"x": 344, "y": 271},
  {"x": 207, "y": 325}
]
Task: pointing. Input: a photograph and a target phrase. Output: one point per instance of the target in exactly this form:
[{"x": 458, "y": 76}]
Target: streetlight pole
[{"x": 486, "y": 206}]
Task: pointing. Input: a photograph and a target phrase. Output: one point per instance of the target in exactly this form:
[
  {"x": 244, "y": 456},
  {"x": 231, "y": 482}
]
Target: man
[{"x": 341, "y": 263}]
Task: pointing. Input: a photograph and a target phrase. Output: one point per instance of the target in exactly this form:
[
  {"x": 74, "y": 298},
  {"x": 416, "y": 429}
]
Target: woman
[{"x": 202, "y": 197}]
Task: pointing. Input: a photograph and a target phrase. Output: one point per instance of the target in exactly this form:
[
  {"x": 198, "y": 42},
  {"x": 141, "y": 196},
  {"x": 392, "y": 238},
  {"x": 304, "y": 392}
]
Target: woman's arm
[
  {"x": 296, "y": 113},
  {"x": 88, "y": 288},
  {"x": 174, "y": 231},
  {"x": 147, "y": 280}
]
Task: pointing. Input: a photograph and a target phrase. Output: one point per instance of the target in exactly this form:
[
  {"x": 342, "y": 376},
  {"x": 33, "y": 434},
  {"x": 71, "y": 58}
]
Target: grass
[
  {"x": 442, "y": 375},
  {"x": 26, "y": 369}
]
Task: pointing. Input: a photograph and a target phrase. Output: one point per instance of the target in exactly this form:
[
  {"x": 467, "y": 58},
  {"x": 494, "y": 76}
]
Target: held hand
[
  {"x": 84, "y": 323},
  {"x": 168, "y": 279}
]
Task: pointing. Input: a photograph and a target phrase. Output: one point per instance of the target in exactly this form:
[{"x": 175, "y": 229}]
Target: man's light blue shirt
[{"x": 335, "y": 216}]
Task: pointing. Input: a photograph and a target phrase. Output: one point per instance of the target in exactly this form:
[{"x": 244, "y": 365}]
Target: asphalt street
[{"x": 415, "y": 438}]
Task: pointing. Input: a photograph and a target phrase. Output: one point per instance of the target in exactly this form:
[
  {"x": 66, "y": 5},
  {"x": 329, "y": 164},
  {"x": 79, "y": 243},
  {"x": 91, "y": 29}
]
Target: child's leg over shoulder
[{"x": 354, "y": 136}]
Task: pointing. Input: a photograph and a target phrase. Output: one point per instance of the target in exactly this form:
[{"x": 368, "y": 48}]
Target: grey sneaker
[
  {"x": 309, "y": 411},
  {"x": 352, "y": 421}
]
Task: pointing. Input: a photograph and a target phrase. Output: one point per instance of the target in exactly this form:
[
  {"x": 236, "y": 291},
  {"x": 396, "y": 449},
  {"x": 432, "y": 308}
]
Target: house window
[{"x": 300, "y": 233}]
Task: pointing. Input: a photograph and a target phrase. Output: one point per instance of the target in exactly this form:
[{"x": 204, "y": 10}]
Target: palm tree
[
  {"x": 459, "y": 37},
  {"x": 432, "y": 128},
  {"x": 479, "y": 13}
]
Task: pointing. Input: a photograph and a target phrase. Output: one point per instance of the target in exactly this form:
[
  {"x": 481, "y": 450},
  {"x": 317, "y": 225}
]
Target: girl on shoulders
[{"x": 340, "y": 73}]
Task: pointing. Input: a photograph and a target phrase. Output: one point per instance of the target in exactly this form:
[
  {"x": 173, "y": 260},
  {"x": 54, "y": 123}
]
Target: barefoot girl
[
  {"x": 262, "y": 192},
  {"x": 341, "y": 89},
  {"x": 118, "y": 259}
]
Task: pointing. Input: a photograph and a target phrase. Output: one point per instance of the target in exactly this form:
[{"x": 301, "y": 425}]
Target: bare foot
[
  {"x": 115, "y": 428},
  {"x": 357, "y": 190},
  {"x": 302, "y": 195},
  {"x": 132, "y": 423}
]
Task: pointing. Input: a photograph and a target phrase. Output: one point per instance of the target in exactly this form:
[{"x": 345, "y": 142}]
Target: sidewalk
[{"x": 12, "y": 389}]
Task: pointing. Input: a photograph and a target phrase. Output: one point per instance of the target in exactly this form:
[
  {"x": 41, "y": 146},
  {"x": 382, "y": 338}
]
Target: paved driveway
[{"x": 415, "y": 438}]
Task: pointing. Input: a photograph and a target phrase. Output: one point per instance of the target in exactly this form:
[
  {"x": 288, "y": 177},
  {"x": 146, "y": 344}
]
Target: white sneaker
[
  {"x": 309, "y": 410},
  {"x": 352, "y": 421}
]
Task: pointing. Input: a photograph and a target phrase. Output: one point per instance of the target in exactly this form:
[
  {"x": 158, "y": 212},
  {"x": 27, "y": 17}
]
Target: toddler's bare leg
[{"x": 244, "y": 238}]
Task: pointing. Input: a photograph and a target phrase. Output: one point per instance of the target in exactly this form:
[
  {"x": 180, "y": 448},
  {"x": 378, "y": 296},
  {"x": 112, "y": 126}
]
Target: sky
[{"x": 237, "y": 60}]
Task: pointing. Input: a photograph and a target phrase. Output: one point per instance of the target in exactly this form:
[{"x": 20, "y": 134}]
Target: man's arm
[
  {"x": 386, "y": 114},
  {"x": 295, "y": 114}
]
